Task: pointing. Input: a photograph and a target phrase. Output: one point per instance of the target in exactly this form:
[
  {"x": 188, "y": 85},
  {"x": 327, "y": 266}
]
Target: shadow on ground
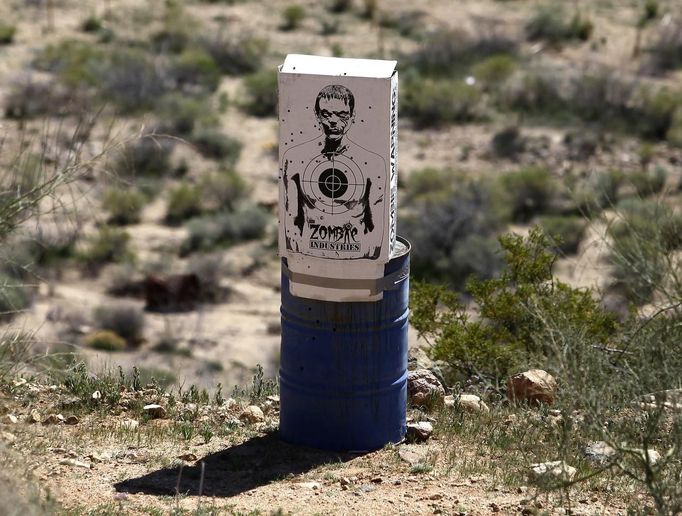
[{"x": 240, "y": 468}]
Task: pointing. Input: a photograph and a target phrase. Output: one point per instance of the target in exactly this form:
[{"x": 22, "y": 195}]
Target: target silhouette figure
[{"x": 336, "y": 183}]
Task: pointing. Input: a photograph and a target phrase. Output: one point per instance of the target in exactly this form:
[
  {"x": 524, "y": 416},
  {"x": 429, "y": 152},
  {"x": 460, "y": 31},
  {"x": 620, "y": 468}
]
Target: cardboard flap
[{"x": 338, "y": 66}]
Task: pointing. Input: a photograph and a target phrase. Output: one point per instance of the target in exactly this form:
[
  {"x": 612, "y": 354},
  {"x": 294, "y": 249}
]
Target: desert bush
[
  {"x": 184, "y": 202},
  {"x": 431, "y": 102},
  {"x": 123, "y": 318},
  {"x": 292, "y": 17},
  {"x": 91, "y": 24},
  {"x": 194, "y": 69},
  {"x": 260, "y": 92},
  {"x": 212, "y": 143},
  {"x": 225, "y": 229},
  {"x": 508, "y": 142},
  {"x": 15, "y": 296},
  {"x": 340, "y": 6},
  {"x": 459, "y": 239},
  {"x": 105, "y": 340},
  {"x": 329, "y": 25},
  {"x": 450, "y": 52},
  {"x": 510, "y": 328},
  {"x": 147, "y": 156},
  {"x": 180, "y": 114},
  {"x": 648, "y": 182},
  {"x": 564, "y": 232},
  {"x": 600, "y": 191},
  {"x": 222, "y": 190},
  {"x": 665, "y": 53},
  {"x": 7, "y": 33},
  {"x": 530, "y": 192},
  {"x": 210, "y": 270},
  {"x": 537, "y": 92},
  {"x": 674, "y": 133},
  {"x": 30, "y": 98},
  {"x": 123, "y": 205},
  {"x": 494, "y": 70},
  {"x": 235, "y": 54},
  {"x": 553, "y": 25},
  {"x": 109, "y": 244}
]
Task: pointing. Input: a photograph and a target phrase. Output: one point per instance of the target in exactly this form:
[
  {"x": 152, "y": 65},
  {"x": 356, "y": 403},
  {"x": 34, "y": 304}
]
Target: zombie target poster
[{"x": 337, "y": 169}]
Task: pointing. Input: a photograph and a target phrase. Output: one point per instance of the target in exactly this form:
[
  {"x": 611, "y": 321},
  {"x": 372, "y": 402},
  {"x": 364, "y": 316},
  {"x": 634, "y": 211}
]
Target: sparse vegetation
[
  {"x": 123, "y": 318},
  {"x": 7, "y": 33},
  {"x": 292, "y": 17},
  {"x": 105, "y": 340},
  {"x": 554, "y": 25},
  {"x": 109, "y": 244},
  {"x": 260, "y": 91},
  {"x": 530, "y": 192},
  {"x": 430, "y": 102},
  {"x": 123, "y": 205}
]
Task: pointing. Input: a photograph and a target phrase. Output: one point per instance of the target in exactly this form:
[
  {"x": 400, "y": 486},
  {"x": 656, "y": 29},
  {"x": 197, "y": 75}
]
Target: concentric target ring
[{"x": 333, "y": 183}]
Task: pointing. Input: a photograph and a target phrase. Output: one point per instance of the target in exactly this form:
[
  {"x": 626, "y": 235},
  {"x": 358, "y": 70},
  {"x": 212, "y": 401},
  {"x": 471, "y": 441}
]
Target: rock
[
  {"x": 154, "y": 411},
  {"x": 74, "y": 463},
  {"x": 471, "y": 403},
  {"x": 72, "y": 420},
  {"x": 654, "y": 456},
  {"x": 129, "y": 424},
  {"x": 8, "y": 437},
  {"x": 10, "y": 419},
  {"x": 600, "y": 452},
  {"x": 557, "y": 470},
  {"x": 96, "y": 395},
  {"x": 424, "y": 389},
  {"x": 33, "y": 417},
  {"x": 252, "y": 414},
  {"x": 53, "y": 419},
  {"x": 344, "y": 481},
  {"x": 411, "y": 455},
  {"x": 534, "y": 386},
  {"x": 188, "y": 457},
  {"x": 310, "y": 485},
  {"x": 418, "y": 432}
]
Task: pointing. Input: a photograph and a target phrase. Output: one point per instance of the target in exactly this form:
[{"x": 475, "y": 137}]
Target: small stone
[
  {"x": 424, "y": 389},
  {"x": 188, "y": 457},
  {"x": 557, "y": 469},
  {"x": 471, "y": 403},
  {"x": 96, "y": 395},
  {"x": 155, "y": 411},
  {"x": 534, "y": 386},
  {"x": 74, "y": 463},
  {"x": 52, "y": 419},
  {"x": 8, "y": 437},
  {"x": 377, "y": 480},
  {"x": 33, "y": 417},
  {"x": 252, "y": 414},
  {"x": 397, "y": 482},
  {"x": 600, "y": 452},
  {"x": 436, "y": 496},
  {"x": 494, "y": 507},
  {"x": 418, "y": 432},
  {"x": 19, "y": 382},
  {"x": 71, "y": 420},
  {"x": 411, "y": 456},
  {"x": 129, "y": 424},
  {"x": 653, "y": 455},
  {"x": 310, "y": 485},
  {"x": 119, "y": 497},
  {"x": 10, "y": 419},
  {"x": 521, "y": 489},
  {"x": 344, "y": 481}
]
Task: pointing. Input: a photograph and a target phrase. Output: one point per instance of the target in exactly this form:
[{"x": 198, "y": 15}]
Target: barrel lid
[{"x": 402, "y": 247}]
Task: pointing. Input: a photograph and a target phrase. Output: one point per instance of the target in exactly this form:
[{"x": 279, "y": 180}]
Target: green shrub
[
  {"x": 109, "y": 244},
  {"x": 674, "y": 133},
  {"x": 599, "y": 192},
  {"x": 508, "y": 142},
  {"x": 551, "y": 24},
  {"x": 15, "y": 296},
  {"x": 225, "y": 229},
  {"x": 261, "y": 93},
  {"x": 105, "y": 340},
  {"x": 463, "y": 218},
  {"x": 211, "y": 143},
  {"x": 73, "y": 61},
  {"x": 430, "y": 102},
  {"x": 340, "y": 6},
  {"x": 536, "y": 92},
  {"x": 180, "y": 114},
  {"x": 370, "y": 9},
  {"x": 512, "y": 312},
  {"x": 665, "y": 53},
  {"x": 409, "y": 24},
  {"x": 123, "y": 318},
  {"x": 148, "y": 156},
  {"x": 292, "y": 17},
  {"x": 222, "y": 190},
  {"x": 123, "y": 205},
  {"x": 530, "y": 192},
  {"x": 648, "y": 182},
  {"x": 449, "y": 52},
  {"x": 651, "y": 11},
  {"x": 184, "y": 202},
  {"x": 7, "y": 33},
  {"x": 171, "y": 39},
  {"x": 494, "y": 70},
  {"x": 235, "y": 55},
  {"x": 195, "y": 68},
  {"x": 91, "y": 24},
  {"x": 564, "y": 232}
]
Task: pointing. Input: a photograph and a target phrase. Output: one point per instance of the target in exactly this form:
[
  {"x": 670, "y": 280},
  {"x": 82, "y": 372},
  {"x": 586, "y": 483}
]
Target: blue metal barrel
[{"x": 343, "y": 372}]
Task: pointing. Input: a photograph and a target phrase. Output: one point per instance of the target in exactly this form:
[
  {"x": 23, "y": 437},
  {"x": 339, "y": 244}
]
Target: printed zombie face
[{"x": 336, "y": 116}]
